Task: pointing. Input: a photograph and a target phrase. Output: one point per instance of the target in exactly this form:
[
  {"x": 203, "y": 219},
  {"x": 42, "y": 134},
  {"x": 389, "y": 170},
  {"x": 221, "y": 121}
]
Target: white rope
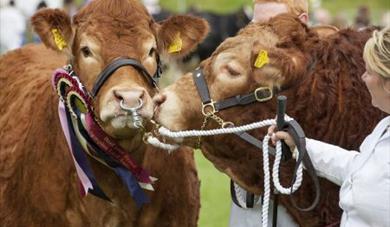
[
  {"x": 191, "y": 133},
  {"x": 275, "y": 171},
  {"x": 157, "y": 143},
  {"x": 240, "y": 195},
  {"x": 267, "y": 184},
  {"x": 275, "y": 177}
]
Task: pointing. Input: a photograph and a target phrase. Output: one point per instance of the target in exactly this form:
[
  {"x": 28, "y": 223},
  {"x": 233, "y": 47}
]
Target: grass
[{"x": 214, "y": 193}]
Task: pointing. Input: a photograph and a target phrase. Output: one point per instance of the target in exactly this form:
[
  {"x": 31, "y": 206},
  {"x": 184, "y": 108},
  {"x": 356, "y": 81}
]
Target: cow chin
[
  {"x": 120, "y": 127},
  {"x": 120, "y": 124}
]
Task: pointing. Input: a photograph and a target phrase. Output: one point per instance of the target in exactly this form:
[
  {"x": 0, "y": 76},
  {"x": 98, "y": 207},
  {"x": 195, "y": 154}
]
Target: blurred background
[
  {"x": 15, "y": 30},
  {"x": 226, "y": 17}
]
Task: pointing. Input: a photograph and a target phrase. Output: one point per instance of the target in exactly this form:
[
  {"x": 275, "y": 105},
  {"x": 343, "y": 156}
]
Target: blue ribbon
[
  {"x": 82, "y": 160},
  {"x": 132, "y": 185}
]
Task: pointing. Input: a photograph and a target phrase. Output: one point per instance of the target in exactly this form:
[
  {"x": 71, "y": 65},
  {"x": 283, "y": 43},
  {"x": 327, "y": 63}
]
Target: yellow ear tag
[
  {"x": 176, "y": 45},
  {"x": 58, "y": 39},
  {"x": 262, "y": 59}
]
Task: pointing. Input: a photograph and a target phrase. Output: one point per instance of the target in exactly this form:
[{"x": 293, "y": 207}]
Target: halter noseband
[{"x": 120, "y": 62}]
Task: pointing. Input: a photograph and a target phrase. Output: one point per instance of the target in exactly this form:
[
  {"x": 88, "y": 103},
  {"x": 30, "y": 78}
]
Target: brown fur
[
  {"x": 38, "y": 183},
  {"x": 321, "y": 78}
]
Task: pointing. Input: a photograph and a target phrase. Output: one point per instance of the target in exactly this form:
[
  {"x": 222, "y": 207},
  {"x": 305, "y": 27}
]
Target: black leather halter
[
  {"x": 120, "y": 62},
  {"x": 261, "y": 94}
]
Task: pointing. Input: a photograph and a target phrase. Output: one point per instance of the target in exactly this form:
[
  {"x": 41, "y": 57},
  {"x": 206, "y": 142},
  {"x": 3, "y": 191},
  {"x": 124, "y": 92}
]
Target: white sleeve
[{"x": 331, "y": 162}]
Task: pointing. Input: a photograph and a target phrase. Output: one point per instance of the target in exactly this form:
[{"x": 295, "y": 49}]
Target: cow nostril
[
  {"x": 117, "y": 95},
  {"x": 159, "y": 99},
  {"x": 129, "y": 97}
]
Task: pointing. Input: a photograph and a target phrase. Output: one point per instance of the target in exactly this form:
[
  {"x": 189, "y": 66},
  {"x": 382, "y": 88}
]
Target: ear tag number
[
  {"x": 262, "y": 59},
  {"x": 58, "y": 39},
  {"x": 176, "y": 45}
]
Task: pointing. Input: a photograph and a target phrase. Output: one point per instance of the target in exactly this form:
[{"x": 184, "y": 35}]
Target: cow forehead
[
  {"x": 244, "y": 41},
  {"x": 115, "y": 19},
  {"x": 115, "y": 39}
]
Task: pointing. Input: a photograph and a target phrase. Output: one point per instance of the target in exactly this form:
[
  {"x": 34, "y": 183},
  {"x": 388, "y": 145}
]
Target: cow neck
[{"x": 135, "y": 146}]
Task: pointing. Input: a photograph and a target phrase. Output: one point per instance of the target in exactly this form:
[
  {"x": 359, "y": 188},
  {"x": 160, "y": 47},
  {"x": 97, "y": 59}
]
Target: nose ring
[
  {"x": 137, "y": 119},
  {"x": 131, "y": 109}
]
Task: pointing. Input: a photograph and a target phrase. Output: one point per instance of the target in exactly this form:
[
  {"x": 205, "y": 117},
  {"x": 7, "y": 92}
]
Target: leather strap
[
  {"x": 242, "y": 100},
  {"x": 239, "y": 100},
  {"x": 201, "y": 86},
  {"x": 295, "y": 130},
  {"x": 233, "y": 194},
  {"x": 118, "y": 63}
]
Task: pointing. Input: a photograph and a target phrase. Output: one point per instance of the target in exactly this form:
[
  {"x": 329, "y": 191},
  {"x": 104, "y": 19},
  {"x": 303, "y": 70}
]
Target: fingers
[
  {"x": 280, "y": 135},
  {"x": 271, "y": 130}
]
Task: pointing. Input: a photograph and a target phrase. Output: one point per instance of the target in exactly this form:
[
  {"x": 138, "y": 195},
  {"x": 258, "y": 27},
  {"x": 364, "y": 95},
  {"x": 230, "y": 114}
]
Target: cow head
[
  {"x": 233, "y": 69},
  {"x": 106, "y": 30}
]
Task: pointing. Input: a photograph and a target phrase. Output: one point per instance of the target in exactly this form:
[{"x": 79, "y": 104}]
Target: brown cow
[
  {"x": 320, "y": 77},
  {"x": 38, "y": 182}
]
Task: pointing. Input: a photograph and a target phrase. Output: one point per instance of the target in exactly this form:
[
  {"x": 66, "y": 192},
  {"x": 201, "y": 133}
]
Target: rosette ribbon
[{"x": 85, "y": 136}]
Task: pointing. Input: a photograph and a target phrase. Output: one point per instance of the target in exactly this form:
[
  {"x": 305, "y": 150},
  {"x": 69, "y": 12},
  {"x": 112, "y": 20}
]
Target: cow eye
[
  {"x": 233, "y": 71},
  {"x": 86, "y": 52},
  {"x": 152, "y": 52}
]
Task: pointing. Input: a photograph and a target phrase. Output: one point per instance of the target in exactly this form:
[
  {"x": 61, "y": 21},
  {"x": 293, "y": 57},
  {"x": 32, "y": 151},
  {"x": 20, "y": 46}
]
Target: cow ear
[
  {"x": 179, "y": 35},
  {"x": 276, "y": 67},
  {"x": 54, "y": 28}
]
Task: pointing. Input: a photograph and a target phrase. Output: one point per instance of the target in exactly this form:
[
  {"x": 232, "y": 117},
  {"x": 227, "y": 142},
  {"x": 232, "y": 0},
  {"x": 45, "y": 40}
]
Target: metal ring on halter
[{"x": 131, "y": 109}]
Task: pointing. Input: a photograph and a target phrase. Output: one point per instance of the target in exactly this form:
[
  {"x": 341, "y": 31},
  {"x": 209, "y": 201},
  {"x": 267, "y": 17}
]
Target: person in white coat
[{"x": 364, "y": 176}]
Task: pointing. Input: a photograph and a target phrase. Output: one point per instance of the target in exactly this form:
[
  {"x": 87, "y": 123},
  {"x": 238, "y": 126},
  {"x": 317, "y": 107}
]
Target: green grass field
[{"x": 214, "y": 192}]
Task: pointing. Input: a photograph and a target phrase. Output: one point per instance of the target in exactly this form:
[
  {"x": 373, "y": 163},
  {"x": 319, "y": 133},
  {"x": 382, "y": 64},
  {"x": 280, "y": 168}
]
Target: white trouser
[{"x": 240, "y": 217}]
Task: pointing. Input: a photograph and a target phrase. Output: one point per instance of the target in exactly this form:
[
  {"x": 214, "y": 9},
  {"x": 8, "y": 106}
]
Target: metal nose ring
[
  {"x": 137, "y": 119},
  {"x": 131, "y": 109}
]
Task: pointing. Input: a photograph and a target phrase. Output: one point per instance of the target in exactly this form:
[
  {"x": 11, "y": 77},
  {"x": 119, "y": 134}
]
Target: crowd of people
[{"x": 15, "y": 14}]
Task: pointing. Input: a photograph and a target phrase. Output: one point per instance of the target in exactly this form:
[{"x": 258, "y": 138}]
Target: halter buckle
[
  {"x": 260, "y": 90},
  {"x": 211, "y": 106}
]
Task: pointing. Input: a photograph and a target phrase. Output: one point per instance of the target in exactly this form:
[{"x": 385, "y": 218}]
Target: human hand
[{"x": 281, "y": 135}]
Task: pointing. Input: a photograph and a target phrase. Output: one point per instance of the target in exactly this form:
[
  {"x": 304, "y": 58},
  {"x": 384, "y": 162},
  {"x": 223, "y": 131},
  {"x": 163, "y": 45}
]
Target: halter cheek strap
[{"x": 261, "y": 94}]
